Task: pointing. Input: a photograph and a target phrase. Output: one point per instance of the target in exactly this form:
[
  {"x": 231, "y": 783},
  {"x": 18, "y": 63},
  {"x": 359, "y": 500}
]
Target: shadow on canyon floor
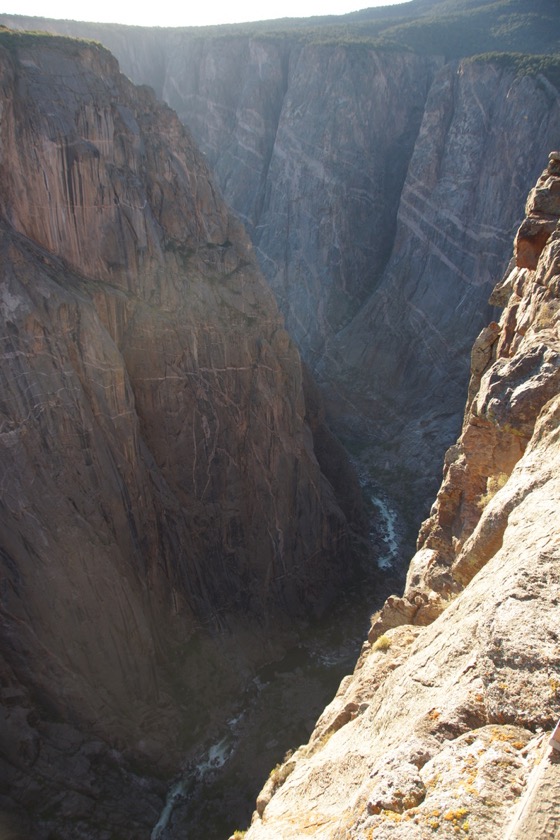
[{"x": 217, "y": 790}]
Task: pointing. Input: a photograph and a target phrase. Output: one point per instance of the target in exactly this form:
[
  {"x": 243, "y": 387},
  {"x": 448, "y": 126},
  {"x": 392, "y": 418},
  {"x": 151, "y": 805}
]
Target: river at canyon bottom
[{"x": 216, "y": 792}]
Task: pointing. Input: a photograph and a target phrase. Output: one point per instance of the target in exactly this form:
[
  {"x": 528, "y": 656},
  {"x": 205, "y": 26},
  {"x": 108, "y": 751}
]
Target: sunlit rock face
[
  {"x": 159, "y": 481},
  {"x": 443, "y": 728}
]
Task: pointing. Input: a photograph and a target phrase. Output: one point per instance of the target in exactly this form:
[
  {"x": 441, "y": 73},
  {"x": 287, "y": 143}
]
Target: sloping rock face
[
  {"x": 370, "y": 184},
  {"x": 317, "y": 186},
  {"x": 442, "y": 729},
  {"x": 382, "y": 190},
  {"x": 164, "y": 518}
]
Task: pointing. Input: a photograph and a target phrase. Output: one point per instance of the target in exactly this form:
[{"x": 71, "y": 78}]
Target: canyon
[
  {"x": 381, "y": 187},
  {"x": 166, "y": 526},
  {"x": 189, "y": 552}
]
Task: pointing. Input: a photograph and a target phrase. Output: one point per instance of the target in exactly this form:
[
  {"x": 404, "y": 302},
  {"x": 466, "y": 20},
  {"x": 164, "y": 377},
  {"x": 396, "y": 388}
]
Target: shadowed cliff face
[
  {"x": 382, "y": 190},
  {"x": 311, "y": 145},
  {"x": 382, "y": 197},
  {"x": 159, "y": 482},
  {"x": 402, "y": 363}
]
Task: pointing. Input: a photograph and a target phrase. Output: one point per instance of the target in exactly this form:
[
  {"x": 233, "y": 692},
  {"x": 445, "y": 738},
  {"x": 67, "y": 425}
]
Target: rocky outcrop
[
  {"x": 515, "y": 373},
  {"x": 164, "y": 517},
  {"x": 442, "y": 729}
]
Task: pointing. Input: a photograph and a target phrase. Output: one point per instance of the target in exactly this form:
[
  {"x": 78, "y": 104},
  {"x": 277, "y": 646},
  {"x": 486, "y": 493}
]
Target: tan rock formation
[{"x": 440, "y": 727}]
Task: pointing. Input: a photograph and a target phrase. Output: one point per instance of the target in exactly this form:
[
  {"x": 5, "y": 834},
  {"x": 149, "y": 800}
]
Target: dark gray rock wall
[
  {"x": 402, "y": 364},
  {"x": 310, "y": 145}
]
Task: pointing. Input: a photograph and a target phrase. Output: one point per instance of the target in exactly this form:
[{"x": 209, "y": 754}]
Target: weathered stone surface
[
  {"x": 467, "y": 168},
  {"x": 545, "y": 198},
  {"x": 449, "y": 733},
  {"x": 538, "y": 811},
  {"x": 531, "y": 239},
  {"x": 543, "y": 211}
]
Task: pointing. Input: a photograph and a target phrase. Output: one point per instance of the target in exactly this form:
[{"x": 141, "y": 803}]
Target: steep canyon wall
[
  {"x": 381, "y": 190},
  {"x": 165, "y": 521},
  {"x": 166, "y": 468}
]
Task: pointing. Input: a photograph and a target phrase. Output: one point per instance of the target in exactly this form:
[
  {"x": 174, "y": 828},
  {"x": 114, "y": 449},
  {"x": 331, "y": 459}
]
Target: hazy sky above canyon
[{"x": 171, "y": 13}]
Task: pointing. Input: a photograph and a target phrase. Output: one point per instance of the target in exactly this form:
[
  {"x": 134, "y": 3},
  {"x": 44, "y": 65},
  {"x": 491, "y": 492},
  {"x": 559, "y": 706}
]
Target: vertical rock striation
[
  {"x": 402, "y": 362},
  {"x": 163, "y": 515},
  {"x": 310, "y": 144}
]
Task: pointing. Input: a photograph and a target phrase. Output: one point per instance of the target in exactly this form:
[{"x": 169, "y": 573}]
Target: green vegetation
[
  {"x": 450, "y": 28},
  {"x": 280, "y": 773},
  {"x": 453, "y": 29},
  {"x": 383, "y": 643},
  {"x": 12, "y": 39},
  {"x": 493, "y": 484},
  {"x": 506, "y": 25},
  {"x": 526, "y": 65}
]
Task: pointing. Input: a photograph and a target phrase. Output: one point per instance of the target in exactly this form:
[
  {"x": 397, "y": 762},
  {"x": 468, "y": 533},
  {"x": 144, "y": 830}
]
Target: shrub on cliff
[{"x": 526, "y": 65}]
